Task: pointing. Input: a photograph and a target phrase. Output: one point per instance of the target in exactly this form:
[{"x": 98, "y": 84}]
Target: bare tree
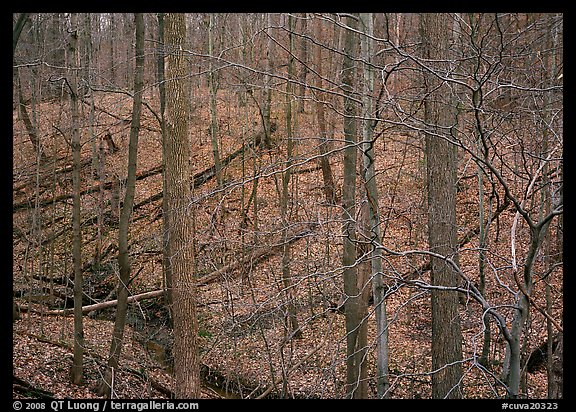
[
  {"x": 441, "y": 162},
  {"x": 213, "y": 84},
  {"x": 455, "y": 128},
  {"x": 356, "y": 385},
  {"x": 74, "y": 63},
  {"x": 106, "y": 388},
  {"x": 178, "y": 197},
  {"x": 329, "y": 188},
  {"x": 293, "y": 328},
  {"x": 373, "y": 216},
  {"x": 267, "y": 100}
]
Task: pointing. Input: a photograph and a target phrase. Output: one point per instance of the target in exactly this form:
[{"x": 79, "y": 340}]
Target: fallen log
[
  {"x": 256, "y": 257},
  {"x": 199, "y": 178},
  {"x": 106, "y": 186},
  {"x": 103, "y": 305}
]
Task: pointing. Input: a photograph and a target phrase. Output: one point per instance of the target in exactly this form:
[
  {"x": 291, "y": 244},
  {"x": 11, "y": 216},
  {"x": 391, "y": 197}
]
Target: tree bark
[
  {"x": 356, "y": 387},
  {"x": 441, "y": 162},
  {"x": 178, "y": 193}
]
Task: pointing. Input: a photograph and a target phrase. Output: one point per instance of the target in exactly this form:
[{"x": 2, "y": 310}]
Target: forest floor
[{"x": 243, "y": 340}]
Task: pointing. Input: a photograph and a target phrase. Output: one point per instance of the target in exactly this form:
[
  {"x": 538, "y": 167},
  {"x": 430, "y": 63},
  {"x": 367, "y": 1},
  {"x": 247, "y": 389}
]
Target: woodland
[{"x": 287, "y": 205}]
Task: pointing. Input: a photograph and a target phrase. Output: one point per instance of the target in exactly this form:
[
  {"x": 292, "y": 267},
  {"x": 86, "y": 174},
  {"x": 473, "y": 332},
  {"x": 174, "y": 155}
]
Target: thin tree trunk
[
  {"x": 106, "y": 388},
  {"x": 111, "y": 49},
  {"x": 166, "y": 266},
  {"x": 483, "y": 225},
  {"x": 558, "y": 369},
  {"x": 355, "y": 388},
  {"x": 329, "y": 191},
  {"x": 552, "y": 42},
  {"x": 77, "y": 364},
  {"x": 266, "y": 107},
  {"x": 304, "y": 67},
  {"x": 213, "y": 84},
  {"x": 293, "y": 328},
  {"x": 511, "y": 372},
  {"x": 178, "y": 193},
  {"x": 373, "y": 218},
  {"x": 98, "y": 153}
]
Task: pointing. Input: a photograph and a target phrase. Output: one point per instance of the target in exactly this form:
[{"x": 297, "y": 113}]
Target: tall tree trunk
[
  {"x": 127, "y": 30},
  {"x": 483, "y": 220},
  {"x": 373, "y": 218},
  {"x": 267, "y": 105},
  {"x": 76, "y": 372},
  {"x": 329, "y": 191},
  {"x": 293, "y": 329},
  {"x": 111, "y": 50},
  {"x": 213, "y": 84},
  {"x": 304, "y": 66},
  {"x": 523, "y": 273},
  {"x": 97, "y": 149},
  {"x": 86, "y": 70},
  {"x": 355, "y": 386},
  {"x": 550, "y": 63},
  {"x": 441, "y": 162},
  {"x": 178, "y": 193},
  {"x": 105, "y": 388},
  {"x": 166, "y": 266}
]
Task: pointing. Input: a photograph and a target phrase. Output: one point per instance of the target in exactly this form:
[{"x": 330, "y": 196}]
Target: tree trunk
[
  {"x": 373, "y": 210},
  {"x": 558, "y": 369},
  {"x": 76, "y": 372},
  {"x": 178, "y": 194},
  {"x": 355, "y": 364},
  {"x": 98, "y": 153},
  {"x": 106, "y": 388},
  {"x": 304, "y": 67},
  {"x": 23, "y": 18},
  {"x": 30, "y": 128},
  {"x": 329, "y": 191},
  {"x": 32, "y": 133},
  {"x": 166, "y": 267},
  {"x": 267, "y": 105},
  {"x": 111, "y": 49},
  {"x": 441, "y": 162},
  {"x": 550, "y": 62},
  {"x": 213, "y": 84},
  {"x": 292, "y": 327}
]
